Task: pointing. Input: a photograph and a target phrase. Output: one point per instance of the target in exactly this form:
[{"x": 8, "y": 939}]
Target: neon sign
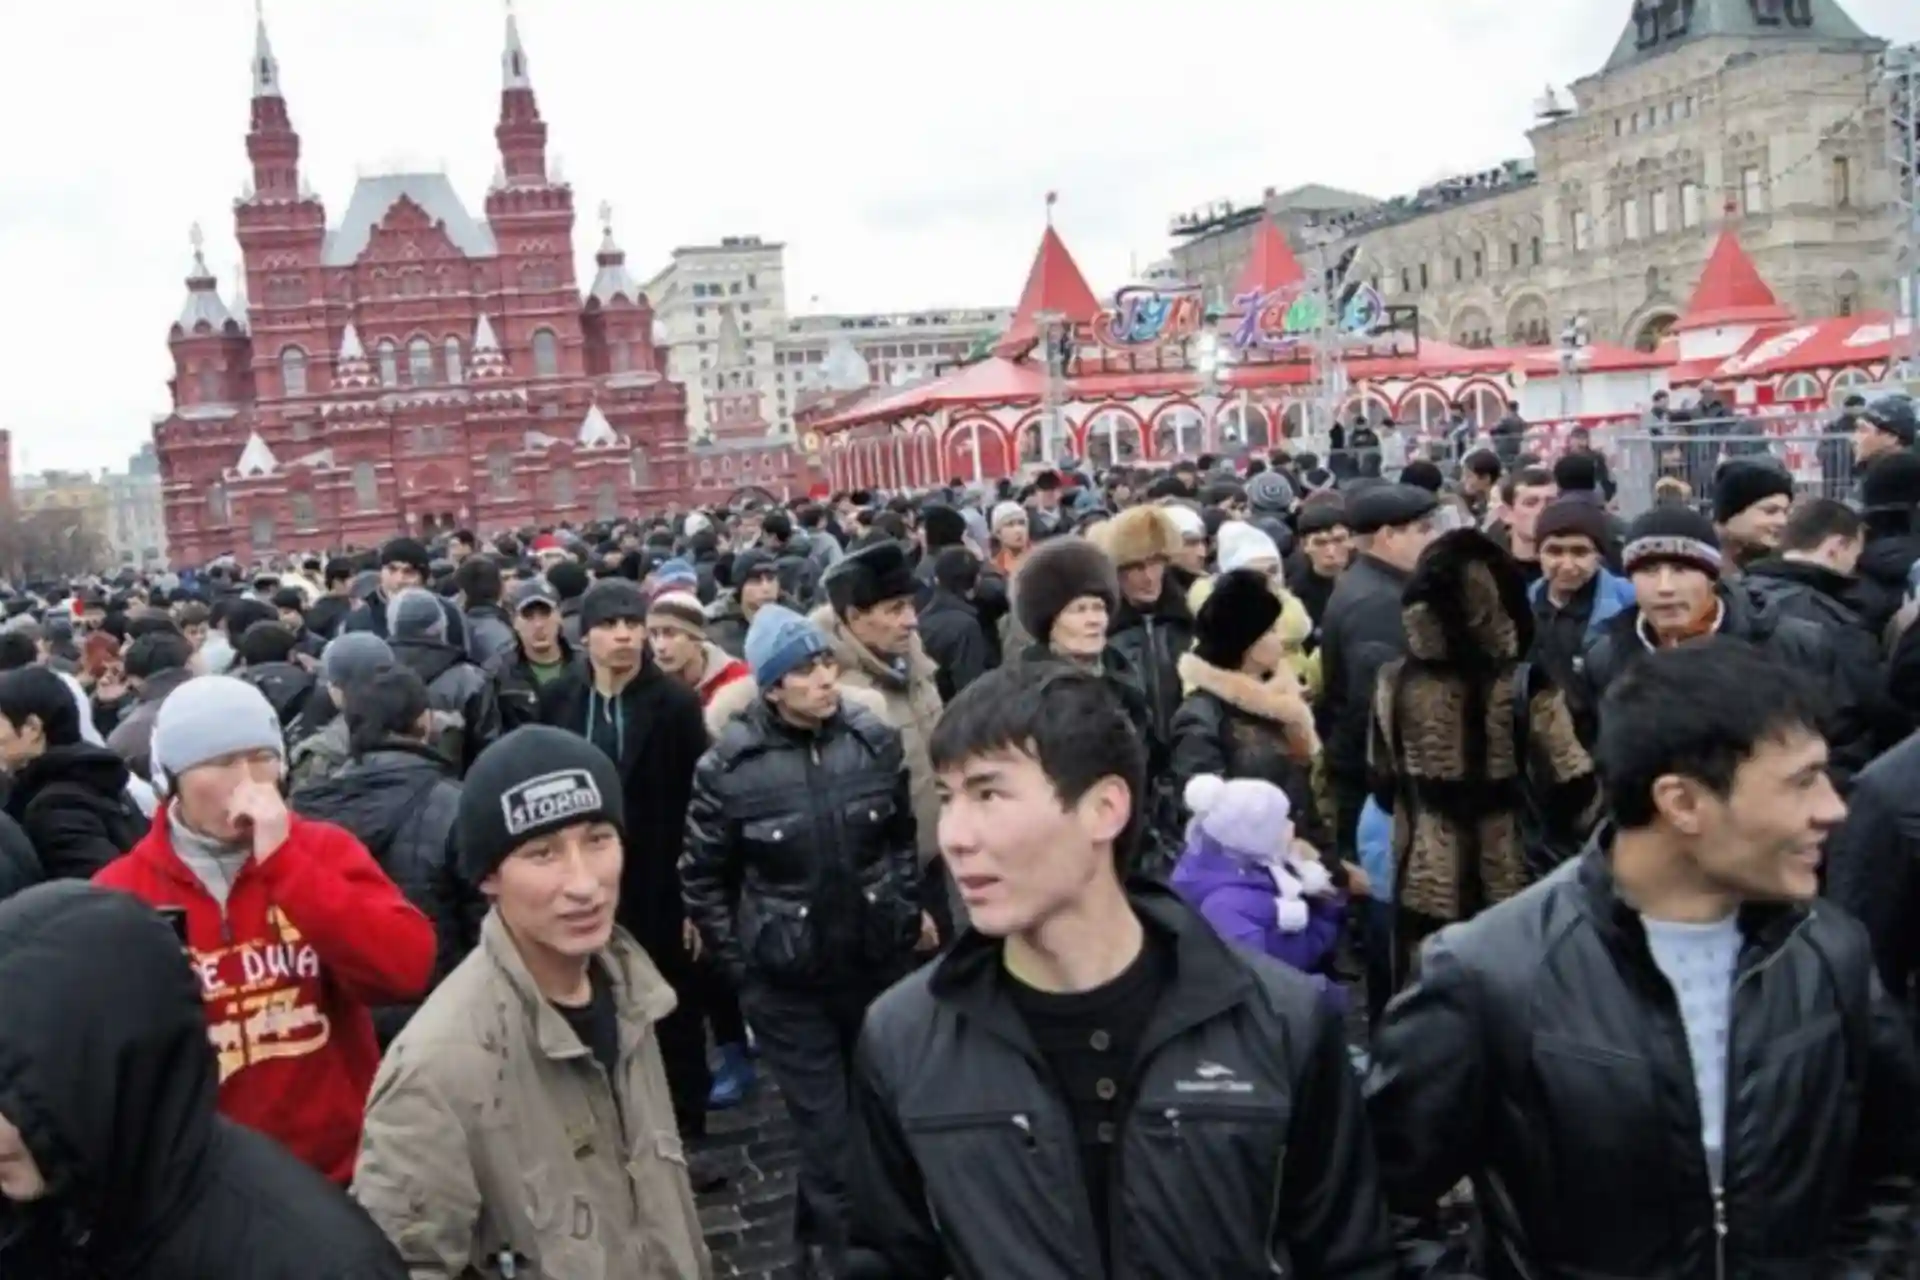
[
  {"x": 1143, "y": 316},
  {"x": 1290, "y": 315}
]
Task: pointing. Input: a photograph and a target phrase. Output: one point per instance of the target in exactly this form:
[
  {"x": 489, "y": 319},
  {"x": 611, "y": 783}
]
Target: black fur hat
[
  {"x": 1056, "y": 573},
  {"x": 1241, "y": 608},
  {"x": 871, "y": 576}
]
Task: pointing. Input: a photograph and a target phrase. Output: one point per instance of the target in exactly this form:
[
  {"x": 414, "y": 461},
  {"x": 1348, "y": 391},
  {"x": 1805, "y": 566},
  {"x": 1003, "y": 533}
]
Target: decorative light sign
[
  {"x": 1144, "y": 316},
  {"x": 1290, "y": 315}
]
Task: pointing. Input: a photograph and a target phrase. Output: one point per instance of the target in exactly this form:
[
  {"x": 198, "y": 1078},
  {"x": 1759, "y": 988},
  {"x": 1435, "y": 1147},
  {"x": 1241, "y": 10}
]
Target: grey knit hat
[
  {"x": 349, "y": 657},
  {"x": 207, "y": 718},
  {"x": 415, "y": 614}
]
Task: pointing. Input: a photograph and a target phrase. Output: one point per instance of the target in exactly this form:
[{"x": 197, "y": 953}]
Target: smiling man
[
  {"x": 1665, "y": 1059},
  {"x": 1091, "y": 1082},
  {"x": 521, "y": 1124}
]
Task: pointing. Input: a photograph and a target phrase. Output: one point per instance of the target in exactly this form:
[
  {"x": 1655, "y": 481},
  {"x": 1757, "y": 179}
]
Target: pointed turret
[
  {"x": 203, "y": 305},
  {"x": 351, "y": 368},
  {"x": 1270, "y": 265},
  {"x": 272, "y": 145},
  {"x": 1730, "y": 291},
  {"x": 613, "y": 282},
  {"x": 487, "y": 359},
  {"x": 521, "y": 133},
  {"x": 1054, "y": 284}
]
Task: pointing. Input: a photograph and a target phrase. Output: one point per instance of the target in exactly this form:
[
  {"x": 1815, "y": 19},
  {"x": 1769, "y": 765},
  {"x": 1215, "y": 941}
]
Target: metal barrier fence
[{"x": 1643, "y": 464}]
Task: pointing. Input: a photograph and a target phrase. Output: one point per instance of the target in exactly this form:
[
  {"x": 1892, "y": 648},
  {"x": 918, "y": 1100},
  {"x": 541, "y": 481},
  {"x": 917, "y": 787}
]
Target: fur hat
[
  {"x": 1241, "y": 608},
  {"x": 1448, "y": 604},
  {"x": 869, "y": 577},
  {"x": 1058, "y": 572},
  {"x": 1138, "y": 534},
  {"x": 1250, "y": 820}
]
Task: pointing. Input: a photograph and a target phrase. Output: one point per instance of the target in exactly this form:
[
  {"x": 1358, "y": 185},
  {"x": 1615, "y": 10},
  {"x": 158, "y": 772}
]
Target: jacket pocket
[
  {"x": 1201, "y": 1184},
  {"x": 566, "y": 1231},
  {"x": 889, "y": 910},
  {"x": 777, "y": 937},
  {"x": 670, "y": 1219}
]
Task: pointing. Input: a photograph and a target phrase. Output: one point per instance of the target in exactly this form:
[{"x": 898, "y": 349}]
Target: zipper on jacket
[
  {"x": 1720, "y": 1230},
  {"x": 1025, "y": 1126}
]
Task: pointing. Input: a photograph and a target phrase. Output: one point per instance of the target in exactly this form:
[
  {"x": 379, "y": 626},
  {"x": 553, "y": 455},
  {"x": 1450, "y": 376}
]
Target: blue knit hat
[
  {"x": 779, "y": 641},
  {"x": 675, "y": 575}
]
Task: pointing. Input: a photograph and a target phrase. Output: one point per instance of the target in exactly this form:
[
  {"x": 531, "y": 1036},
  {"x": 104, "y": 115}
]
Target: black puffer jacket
[
  {"x": 1883, "y": 569},
  {"x": 286, "y": 686},
  {"x": 1835, "y": 602},
  {"x": 1153, "y": 641},
  {"x": 105, "y": 1067},
  {"x": 1243, "y": 1151},
  {"x": 1540, "y": 1052},
  {"x": 800, "y": 867},
  {"x": 73, "y": 804},
  {"x": 466, "y": 709},
  {"x": 401, "y": 801}
]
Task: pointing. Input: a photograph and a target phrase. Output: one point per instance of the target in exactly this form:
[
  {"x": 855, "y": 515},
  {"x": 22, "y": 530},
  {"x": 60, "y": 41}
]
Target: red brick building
[{"x": 411, "y": 367}]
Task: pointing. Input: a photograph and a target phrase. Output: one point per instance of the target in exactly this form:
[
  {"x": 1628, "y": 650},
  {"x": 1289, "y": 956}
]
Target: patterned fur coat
[{"x": 1443, "y": 755}]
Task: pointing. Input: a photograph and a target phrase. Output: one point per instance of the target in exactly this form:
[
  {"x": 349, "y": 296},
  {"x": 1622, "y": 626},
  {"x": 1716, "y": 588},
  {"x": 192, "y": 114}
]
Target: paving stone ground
[{"x": 749, "y": 1222}]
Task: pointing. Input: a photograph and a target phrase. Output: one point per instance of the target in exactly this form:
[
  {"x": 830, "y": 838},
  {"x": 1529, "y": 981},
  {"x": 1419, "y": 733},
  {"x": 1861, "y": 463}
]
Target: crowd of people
[{"x": 1258, "y": 867}]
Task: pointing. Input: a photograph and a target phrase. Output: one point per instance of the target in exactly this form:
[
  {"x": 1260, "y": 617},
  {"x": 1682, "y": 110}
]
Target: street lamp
[
  {"x": 1211, "y": 360},
  {"x": 1050, "y": 323},
  {"x": 1574, "y": 352}
]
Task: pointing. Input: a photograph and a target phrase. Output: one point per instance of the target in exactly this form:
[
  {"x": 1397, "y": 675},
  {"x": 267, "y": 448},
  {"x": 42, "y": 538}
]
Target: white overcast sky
[{"x": 901, "y": 150}]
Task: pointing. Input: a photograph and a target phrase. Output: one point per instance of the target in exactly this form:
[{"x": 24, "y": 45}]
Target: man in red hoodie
[{"x": 293, "y": 929}]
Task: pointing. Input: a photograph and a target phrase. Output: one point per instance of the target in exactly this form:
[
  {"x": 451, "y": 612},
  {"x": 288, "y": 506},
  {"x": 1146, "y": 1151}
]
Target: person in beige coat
[
  {"x": 521, "y": 1124},
  {"x": 870, "y": 621}
]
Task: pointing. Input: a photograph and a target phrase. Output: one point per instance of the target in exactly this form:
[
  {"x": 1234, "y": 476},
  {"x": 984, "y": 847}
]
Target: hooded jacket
[
  {"x": 106, "y": 1069},
  {"x": 285, "y": 685},
  {"x": 466, "y": 710},
  {"x": 308, "y": 942},
  {"x": 132, "y": 738},
  {"x": 491, "y": 640},
  {"x": 73, "y": 804},
  {"x": 401, "y": 802}
]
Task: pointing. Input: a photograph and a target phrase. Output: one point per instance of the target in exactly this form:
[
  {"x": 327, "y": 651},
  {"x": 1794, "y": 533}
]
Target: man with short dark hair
[
  {"x": 1665, "y": 1059},
  {"x": 950, "y": 626},
  {"x": 1092, "y": 1082},
  {"x": 792, "y": 554},
  {"x": 491, "y": 642},
  {"x": 156, "y": 665},
  {"x": 1479, "y": 473},
  {"x": 404, "y": 563},
  {"x": 1523, "y": 495},
  {"x": 1575, "y": 597}
]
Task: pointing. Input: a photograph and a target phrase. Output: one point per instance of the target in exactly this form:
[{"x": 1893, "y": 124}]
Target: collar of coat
[
  {"x": 641, "y": 997},
  {"x": 1263, "y": 699}
]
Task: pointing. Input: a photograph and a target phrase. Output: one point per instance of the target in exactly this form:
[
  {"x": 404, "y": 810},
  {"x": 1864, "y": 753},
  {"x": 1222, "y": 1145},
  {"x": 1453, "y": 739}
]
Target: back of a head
[
  {"x": 352, "y": 656},
  {"x": 155, "y": 652},
  {"x": 265, "y": 642},
  {"x": 36, "y": 693},
  {"x": 777, "y": 525},
  {"x": 478, "y": 579},
  {"x": 105, "y": 1031},
  {"x": 1697, "y": 712},
  {"x": 389, "y": 702},
  {"x": 956, "y": 569},
  {"x": 242, "y": 613},
  {"x": 146, "y": 624},
  {"x": 19, "y": 647},
  {"x": 1815, "y": 520},
  {"x": 568, "y": 579},
  {"x": 416, "y": 614}
]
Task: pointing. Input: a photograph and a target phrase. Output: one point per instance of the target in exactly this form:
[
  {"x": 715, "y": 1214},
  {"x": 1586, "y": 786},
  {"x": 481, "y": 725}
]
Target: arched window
[
  {"x": 1178, "y": 433},
  {"x": 642, "y": 469},
  {"x": 303, "y": 517},
  {"x": 1425, "y": 410},
  {"x": 217, "y": 503},
  {"x": 1246, "y": 426},
  {"x": 500, "y": 470},
  {"x": 389, "y": 359},
  {"x": 606, "y": 502},
  {"x": 293, "y": 372},
  {"x": 455, "y": 371},
  {"x": 1847, "y": 379},
  {"x": 420, "y": 362},
  {"x": 1484, "y": 407},
  {"x": 208, "y": 381},
  {"x": 1801, "y": 386},
  {"x": 563, "y": 486},
  {"x": 1112, "y": 438},
  {"x": 546, "y": 354},
  {"x": 366, "y": 487},
  {"x": 263, "y": 531}
]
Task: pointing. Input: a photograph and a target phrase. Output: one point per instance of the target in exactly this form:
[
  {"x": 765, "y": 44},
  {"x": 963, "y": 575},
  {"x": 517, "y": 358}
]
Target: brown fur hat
[{"x": 1137, "y": 534}]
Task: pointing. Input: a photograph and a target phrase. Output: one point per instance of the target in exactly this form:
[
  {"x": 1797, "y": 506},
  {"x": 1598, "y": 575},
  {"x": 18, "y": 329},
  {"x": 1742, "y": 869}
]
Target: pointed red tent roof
[
  {"x": 1054, "y": 284},
  {"x": 1271, "y": 264},
  {"x": 1731, "y": 291}
]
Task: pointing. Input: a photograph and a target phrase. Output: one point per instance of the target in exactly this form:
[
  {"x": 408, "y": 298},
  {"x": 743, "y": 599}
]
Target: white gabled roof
[
  {"x": 350, "y": 348},
  {"x": 596, "y": 430},
  {"x": 256, "y": 459},
  {"x": 372, "y": 197},
  {"x": 483, "y": 339}
]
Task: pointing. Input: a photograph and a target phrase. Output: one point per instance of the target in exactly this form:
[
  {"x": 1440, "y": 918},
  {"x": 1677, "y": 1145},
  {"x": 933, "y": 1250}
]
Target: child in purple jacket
[{"x": 1241, "y": 872}]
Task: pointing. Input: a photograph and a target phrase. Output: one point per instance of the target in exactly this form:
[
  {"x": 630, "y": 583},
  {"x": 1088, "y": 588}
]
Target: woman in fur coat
[
  {"x": 1486, "y": 780},
  {"x": 1245, "y": 714}
]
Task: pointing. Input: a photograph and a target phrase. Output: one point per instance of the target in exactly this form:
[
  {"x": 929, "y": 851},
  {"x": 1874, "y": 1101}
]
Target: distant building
[
  {"x": 137, "y": 517},
  {"x": 411, "y": 367},
  {"x": 71, "y": 513},
  {"x": 736, "y": 456},
  {"x": 1761, "y": 113}
]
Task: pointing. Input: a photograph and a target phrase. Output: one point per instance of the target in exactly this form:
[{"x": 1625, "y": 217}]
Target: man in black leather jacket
[
  {"x": 1092, "y": 1082},
  {"x": 1668, "y": 1058},
  {"x": 801, "y": 874}
]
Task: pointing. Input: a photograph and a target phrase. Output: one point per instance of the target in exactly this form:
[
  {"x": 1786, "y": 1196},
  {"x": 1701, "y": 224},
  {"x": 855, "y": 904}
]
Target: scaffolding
[{"x": 1901, "y": 68}]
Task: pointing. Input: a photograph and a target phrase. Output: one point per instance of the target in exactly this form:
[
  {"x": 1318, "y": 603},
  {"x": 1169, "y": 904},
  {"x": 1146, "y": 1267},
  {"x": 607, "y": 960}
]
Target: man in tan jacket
[
  {"x": 521, "y": 1125},
  {"x": 871, "y": 622}
]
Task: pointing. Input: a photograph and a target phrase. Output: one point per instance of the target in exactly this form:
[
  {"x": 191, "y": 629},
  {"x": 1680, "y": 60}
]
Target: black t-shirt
[
  {"x": 1091, "y": 1040},
  {"x": 597, "y": 1024}
]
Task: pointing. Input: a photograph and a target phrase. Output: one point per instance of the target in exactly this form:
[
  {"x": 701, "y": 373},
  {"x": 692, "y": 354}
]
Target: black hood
[
  {"x": 1817, "y": 577},
  {"x": 95, "y": 768},
  {"x": 104, "y": 1062},
  {"x": 376, "y": 795},
  {"x": 284, "y": 684},
  {"x": 428, "y": 659},
  {"x": 1886, "y": 559}
]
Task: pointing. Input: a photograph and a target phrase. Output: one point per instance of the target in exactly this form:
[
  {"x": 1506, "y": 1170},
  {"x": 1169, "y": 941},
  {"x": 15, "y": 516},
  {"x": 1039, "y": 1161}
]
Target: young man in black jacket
[
  {"x": 1092, "y": 1082},
  {"x": 1666, "y": 1058},
  {"x": 113, "y": 1158}
]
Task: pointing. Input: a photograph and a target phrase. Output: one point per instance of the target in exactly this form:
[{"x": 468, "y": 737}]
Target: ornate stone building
[
  {"x": 1761, "y": 111},
  {"x": 410, "y": 367}
]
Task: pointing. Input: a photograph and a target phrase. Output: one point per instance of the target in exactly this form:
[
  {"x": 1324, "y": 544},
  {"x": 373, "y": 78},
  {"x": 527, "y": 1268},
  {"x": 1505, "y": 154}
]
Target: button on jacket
[
  {"x": 1243, "y": 1151},
  {"x": 1541, "y": 1053},
  {"x": 492, "y": 1131}
]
